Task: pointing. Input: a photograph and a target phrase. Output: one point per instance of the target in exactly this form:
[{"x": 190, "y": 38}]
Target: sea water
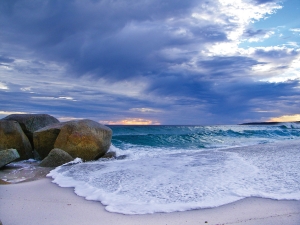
[{"x": 178, "y": 168}]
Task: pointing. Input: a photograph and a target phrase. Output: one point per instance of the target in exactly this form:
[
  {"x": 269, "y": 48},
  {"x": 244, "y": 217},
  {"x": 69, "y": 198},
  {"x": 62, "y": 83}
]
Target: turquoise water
[
  {"x": 200, "y": 137},
  {"x": 177, "y": 168}
]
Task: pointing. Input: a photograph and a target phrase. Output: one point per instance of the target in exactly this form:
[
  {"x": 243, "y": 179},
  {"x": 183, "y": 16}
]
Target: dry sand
[{"x": 44, "y": 203}]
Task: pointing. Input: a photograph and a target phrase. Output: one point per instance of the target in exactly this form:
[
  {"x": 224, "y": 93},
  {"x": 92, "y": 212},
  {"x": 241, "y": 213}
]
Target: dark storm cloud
[
  {"x": 4, "y": 59},
  {"x": 227, "y": 98},
  {"x": 111, "y": 39},
  {"x": 276, "y": 53},
  {"x": 241, "y": 93},
  {"x": 218, "y": 88},
  {"x": 86, "y": 102},
  {"x": 202, "y": 85},
  {"x": 242, "y": 98},
  {"x": 246, "y": 98},
  {"x": 159, "y": 43},
  {"x": 228, "y": 66}
]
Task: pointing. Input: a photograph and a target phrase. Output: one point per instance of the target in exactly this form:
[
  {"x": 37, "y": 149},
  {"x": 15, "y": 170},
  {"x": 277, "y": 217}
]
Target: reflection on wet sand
[{"x": 22, "y": 171}]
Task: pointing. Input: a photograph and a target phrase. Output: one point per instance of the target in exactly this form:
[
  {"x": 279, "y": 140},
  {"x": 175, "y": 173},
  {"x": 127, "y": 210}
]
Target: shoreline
[{"x": 43, "y": 202}]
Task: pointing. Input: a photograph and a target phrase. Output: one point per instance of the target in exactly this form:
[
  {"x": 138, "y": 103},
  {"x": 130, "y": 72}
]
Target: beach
[
  {"x": 165, "y": 175},
  {"x": 43, "y": 202}
]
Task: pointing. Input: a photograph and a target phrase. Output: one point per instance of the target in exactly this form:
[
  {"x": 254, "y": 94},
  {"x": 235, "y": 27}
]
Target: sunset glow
[
  {"x": 286, "y": 118},
  {"x": 131, "y": 121}
]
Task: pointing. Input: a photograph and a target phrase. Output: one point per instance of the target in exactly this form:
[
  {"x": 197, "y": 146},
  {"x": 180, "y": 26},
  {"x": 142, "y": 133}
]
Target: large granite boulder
[
  {"x": 32, "y": 122},
  {"x": 85, "y": 139},
  {"x": 12, "y": 136},
  {"x": 44, "y": 139},
  {"x": 8, "y": 156},
  {"x": 56, "y": 157}
]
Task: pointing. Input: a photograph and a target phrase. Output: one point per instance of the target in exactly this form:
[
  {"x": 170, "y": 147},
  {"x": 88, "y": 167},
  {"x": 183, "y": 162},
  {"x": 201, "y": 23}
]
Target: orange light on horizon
[
  {"x": 285, "y": 118},
  {"x": 131, "y": 121}
]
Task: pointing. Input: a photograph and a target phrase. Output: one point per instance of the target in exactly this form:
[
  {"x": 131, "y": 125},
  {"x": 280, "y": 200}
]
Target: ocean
[{"x": 179, "y": 168}]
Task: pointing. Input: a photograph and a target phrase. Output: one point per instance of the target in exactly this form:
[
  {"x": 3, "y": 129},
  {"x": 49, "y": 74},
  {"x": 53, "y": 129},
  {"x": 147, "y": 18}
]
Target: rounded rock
[
  {"x": 7, "y": 156},
  {"x": 56, "y": 157},
  {"x": 85, "y": 139},
  {"x": 12, "y": 136}
]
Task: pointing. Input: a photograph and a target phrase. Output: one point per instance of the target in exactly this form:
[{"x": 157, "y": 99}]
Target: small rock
[
  {"x": 122, "y": 157},
  {"x": 56, "y": 157},
  {"x": 8, "y": 156},
  {"x": 109, "y": 155}
]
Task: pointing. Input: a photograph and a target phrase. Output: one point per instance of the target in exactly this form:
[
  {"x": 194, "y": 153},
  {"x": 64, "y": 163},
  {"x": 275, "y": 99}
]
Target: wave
[
  {"x": 198, "y": 137},
  {"x": 178, "y": 168},
  {"x": 290, "y": 125},
  {"x": 169, "y": 181}
]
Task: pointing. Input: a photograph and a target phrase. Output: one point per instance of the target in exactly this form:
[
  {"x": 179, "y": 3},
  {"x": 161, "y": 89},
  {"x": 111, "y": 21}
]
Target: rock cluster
[
  {"x": 43, "y": 137},
  {"x": 32, "y": 122}
]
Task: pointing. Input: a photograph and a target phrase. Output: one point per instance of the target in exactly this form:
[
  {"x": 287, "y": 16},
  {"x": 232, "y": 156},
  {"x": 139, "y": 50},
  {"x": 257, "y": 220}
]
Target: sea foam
[{"x": 153, "y": 180}]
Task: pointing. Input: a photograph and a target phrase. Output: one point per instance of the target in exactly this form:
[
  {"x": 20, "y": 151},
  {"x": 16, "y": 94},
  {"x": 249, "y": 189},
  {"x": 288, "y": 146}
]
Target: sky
[{"x": 172, "y": 62}]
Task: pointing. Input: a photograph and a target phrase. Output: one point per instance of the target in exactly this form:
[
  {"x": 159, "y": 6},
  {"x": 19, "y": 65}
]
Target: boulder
[
  {"x": 12, "y": 136},
  {"x": 56, "y": 157},
  {"x": 32, "y": 122},
  {"x": 44, "y": 139},
  {"x": 8, "y": 156},
  {"x": 85, "y": 139}
]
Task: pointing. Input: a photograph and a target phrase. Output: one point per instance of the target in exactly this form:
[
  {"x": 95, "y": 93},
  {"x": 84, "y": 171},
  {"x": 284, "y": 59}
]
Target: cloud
[
  {"x": 145, "y": 110},
  {"x": 276, "y": 53},
  {"x": 54, "y": 98},
  {"x": 252, "y": 33},
  {"x": 265, "y": 1},
  {"x": 6, "y": 113},
  {"x": 172, "y": 61},
  {"x": 63, "y": 119},
  {"x": 118, "y": 40},
  {"x": 295, "y": 29},
  {"x": 3, "y": 86},
  {"x": 5, "y": 60}
]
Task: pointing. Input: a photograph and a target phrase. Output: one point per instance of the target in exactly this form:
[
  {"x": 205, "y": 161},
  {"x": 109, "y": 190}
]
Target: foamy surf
[{"x": 167, "y": 179}]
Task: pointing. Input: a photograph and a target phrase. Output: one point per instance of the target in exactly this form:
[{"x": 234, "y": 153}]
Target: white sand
[{"x": 44, "y": 203}]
